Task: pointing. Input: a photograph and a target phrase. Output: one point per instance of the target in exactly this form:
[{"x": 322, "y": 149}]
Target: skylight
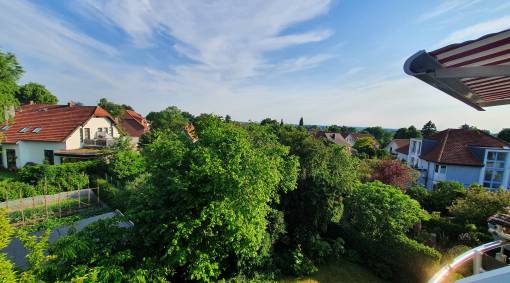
[
  {"x": 36, "y": 130},
  {"x": 5, "y": 128},
  {"x": 24, "y": 130}
]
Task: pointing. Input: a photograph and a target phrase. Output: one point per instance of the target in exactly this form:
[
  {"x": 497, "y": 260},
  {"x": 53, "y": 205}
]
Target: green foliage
[
  {"x": 504, "y": 134},
  {"x": 444, "y": 194},
  {"x": 401, "y": 134},
  {"x": 268, "y": 121},
  {"x": 382, "y": 136},
  {"x": 10, "y": 69},
  {"x": 63, "y": 177},
  {"x": 478, "y": 204},
  {"x": 36, "y": 93},
  {"x": 7, "y": 98},
  {"x": 169, "y": 119},
  {"x": 378, "y": 210},
  {"x": 125, "y": 165},
  {"x": 5, "y": 229},
  {"x": 115, "y": 198},
  {"x": 301, "y": 123},
  {"x": 365, "y": 146},
  {"x": 116, "y": 110},
  {"x": 13, "y": 190},
  {"x": 344, "y": 130},
  {"x": 428, "y": 129},
  {"x": 203, "y": 195}
]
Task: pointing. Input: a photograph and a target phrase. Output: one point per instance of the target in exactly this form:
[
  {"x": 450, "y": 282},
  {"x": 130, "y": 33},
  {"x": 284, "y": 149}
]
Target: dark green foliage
[
  {"x": 14, "y": 190},
  {"x": 203, "y": 195},
  {"x": 36, "y": 93},
  {"x": 301, "y": 123},
  {"x": 123, "y": 163},
  {"x": 116, "y": 110},
  {"x": 398, "y": 258},
  {"x": 407, "y": 133},
  {"x": 382, "y": 136},
  {"x": 10, "y": 69},
  {"x": 428, "y": 129},
  {"x": 504, "y": 135},
  {"x": 344, "y": 130},
  {"x": 365, "y": 147},
  {"x": 169, "y": 119},
  {"x": 444, "y": 194},
  {"x": 228, "y": 119},
  {"x": 268, "y": 121}
]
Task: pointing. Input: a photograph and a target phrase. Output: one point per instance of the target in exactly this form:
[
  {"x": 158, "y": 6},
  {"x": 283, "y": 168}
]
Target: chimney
[
  {"x": 71, "y": 104},
  {"x": 31, "y": 102}
]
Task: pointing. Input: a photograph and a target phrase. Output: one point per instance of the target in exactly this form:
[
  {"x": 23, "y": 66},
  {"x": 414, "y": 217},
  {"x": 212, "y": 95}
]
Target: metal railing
[{"x": 98, "y": 142}]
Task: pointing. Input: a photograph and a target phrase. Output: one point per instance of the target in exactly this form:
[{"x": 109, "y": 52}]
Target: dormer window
[
  {"x": 24, "y": 130},
  {"x": 37, "y": 130},
  {"x": 5, "y": 128}
]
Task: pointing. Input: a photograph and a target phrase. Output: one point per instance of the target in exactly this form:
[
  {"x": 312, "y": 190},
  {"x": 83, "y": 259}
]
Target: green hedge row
[
  {"x": 113, "y": 196},
  {"x": 400, "y": 258},
  {"x": 67, "y": 176}
]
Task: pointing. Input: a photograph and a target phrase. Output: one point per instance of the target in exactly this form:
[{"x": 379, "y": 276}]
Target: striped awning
[{"x": 476, "y": 72}]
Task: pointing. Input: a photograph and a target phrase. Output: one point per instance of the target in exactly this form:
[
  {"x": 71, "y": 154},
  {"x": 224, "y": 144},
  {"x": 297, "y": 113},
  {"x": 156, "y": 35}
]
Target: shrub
[
  {"x": 444, "y": 194},
  {"x": 64, "y": 177},
  {"x": 13, "y": 190},
  {"x": 113, "y": 196},
  {"x": 393, "y": 172}
]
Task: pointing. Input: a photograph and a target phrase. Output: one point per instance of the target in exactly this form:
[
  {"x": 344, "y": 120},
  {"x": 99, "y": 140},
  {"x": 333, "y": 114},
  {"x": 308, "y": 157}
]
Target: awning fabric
[{"x": 476, "y": 72}]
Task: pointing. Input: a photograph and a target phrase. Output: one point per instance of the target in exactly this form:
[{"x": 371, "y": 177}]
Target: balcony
[{"x": 98, "y": 142}]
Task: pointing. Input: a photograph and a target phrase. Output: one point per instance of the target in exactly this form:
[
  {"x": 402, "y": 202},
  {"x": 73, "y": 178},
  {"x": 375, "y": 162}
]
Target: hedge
[
  {"x": 63, "y": 177},
  {"x": 113, "y": 196},
  {"x": 399, "y": 258}
]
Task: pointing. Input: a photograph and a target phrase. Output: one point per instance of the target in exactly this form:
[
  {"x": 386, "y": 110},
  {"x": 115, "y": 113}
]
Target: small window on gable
[
  {"x": 24, "y": 130},
  {"x": 37, "y": 130}
]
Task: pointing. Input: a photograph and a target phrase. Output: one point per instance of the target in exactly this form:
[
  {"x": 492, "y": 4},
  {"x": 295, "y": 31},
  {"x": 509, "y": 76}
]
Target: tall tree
[
  {"x": 269, "y": 121},
  {"x": 116, "y": 110},
  {"x": 504, "y": 135},
  {"x": 401, "y": 134},
  {"x": 366, "y": 146},
  {"x": 10, "y": 69},
  {"x": 428, "y": 129},
  {"x": 228, "y": 119},
  {"x": 413, "y": 132},
  {"x": 36, "y": 93},
  {"x": 301, "y": 122}
]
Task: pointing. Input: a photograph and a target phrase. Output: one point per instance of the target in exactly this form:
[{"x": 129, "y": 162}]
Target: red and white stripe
[{"x": 489, "y": 50}]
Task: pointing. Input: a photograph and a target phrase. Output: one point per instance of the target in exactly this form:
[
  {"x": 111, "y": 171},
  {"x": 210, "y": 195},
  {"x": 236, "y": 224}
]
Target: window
[
  {"x": 440, "y": 169},
  {"x": 48, "y": 156},
  {"x": 5, "y": 128},
  {"x": 413, "y": 145},
  {"x": 99, "y": 129},
  {"x": 37, "y": 130},
  {"x": 87, "y": 133},
  {"x": 24, "y": 130},
  {"x": 106, "y": 130},
  {"x": 494, "y": 169},
  {"x": 81, "y": 134},
  {"x": 111, "y": 131}
]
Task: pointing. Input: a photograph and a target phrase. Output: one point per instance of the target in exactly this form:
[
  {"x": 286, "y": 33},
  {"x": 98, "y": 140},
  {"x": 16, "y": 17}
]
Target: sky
[{"x": 328, "y": 61}]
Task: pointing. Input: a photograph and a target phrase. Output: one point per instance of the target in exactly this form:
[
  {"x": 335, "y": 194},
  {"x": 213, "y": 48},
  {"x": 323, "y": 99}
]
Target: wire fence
[{"x": 29, "y": 210}]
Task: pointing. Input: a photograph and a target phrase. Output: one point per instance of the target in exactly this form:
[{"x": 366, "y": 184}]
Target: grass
[{"x": 340, "y": 271}]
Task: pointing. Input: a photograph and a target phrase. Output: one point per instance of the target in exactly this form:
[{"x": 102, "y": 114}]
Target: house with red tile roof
[
  {"x": 465, "y": 156},
  {"x": 55, "y": 133},
  {"x": 396, "y": 144},
  {"x": 134, "y": 125}
]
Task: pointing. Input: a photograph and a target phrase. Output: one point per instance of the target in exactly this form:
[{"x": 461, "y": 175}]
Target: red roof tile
[
  {"x": 401, "y": 142},
  {"x": 57, "y": 122},
  {"x": 134, "y": 124},
  {"x": 403, "y": 149},
  {"x": 454, "y": 146}
]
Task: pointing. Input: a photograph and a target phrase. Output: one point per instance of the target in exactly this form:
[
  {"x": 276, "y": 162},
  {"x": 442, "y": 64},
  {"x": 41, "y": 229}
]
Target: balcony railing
[{"x": 98, "y": 142}]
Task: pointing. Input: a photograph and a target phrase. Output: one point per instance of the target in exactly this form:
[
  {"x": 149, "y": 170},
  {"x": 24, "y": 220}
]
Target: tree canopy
[
  {"x": 116, "y": 110},
  {"x": 504, "y": 134},
  {"x": 344, "y": 130},
  {"x": 36, "y": 93},
  {"x": 10, "y": 69},
  {"x": 366, "y": 146},
  {"x": 428, "y": 129}
]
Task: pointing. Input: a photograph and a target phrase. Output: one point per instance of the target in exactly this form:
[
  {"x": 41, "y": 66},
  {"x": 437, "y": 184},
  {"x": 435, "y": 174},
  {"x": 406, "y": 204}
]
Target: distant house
[
  {"x": 465, "y": 156},
  {"x": 353, "y": 137},
  {"x": 134, "y": 125},
  {"x": 55, "y": 134},
  {"x": 396, "y": 144},
  {"x": 333, "y": 137}
]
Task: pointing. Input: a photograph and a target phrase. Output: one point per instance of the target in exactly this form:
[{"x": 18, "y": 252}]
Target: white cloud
[
  {"x": 478, "y": 30},
  {"x": 446, "y": 7}
]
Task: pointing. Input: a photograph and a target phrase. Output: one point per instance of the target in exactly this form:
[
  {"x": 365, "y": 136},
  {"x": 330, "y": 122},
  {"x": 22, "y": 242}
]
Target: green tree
[
  {"x": 301, "y": 122},
  {"x": 7, "y": 99},
  {"x": 328, "y": 174},
  {"x": 10, "y": 69},
  {"x": 413, "y": 132},
  {"x": 269, "y": 121},
  {"x": 504, "y": 135},
  {"x": 428, "y": 129},
  {"x": 381, "y": 135},
  {"x": 365, "y": 146},
  {"x": 171, "y": 118},
  {"x": 205, "y": 211},
  {"x": 36, "y": 93},
  {"x": 401, "y": 134},
  {"x": 116, "y": 110},
  {"x": 378, "y": 210},
  {"x": 124, "y": 164},
  {"x": 7, "y": 273},
  {"x": 228, "y": 119},
  {"x": 444, "y": 194}
]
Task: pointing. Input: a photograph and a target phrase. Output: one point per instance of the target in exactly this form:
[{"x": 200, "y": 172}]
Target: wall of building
[
  {"x": 31, "y": 151},
  {"x": 73, "y": 142},
  {"x": 466, "y": 175}
]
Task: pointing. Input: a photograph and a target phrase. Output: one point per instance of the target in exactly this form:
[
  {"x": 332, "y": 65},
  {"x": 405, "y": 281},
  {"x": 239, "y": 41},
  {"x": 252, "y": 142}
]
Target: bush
[
  {"x": 444, "y": 194},
  {"x": 398, "y": 258},
  {"x": 113, "y": 196},
  {"x": 13, "y": 190},
  {"x": 63, "y": 177}
]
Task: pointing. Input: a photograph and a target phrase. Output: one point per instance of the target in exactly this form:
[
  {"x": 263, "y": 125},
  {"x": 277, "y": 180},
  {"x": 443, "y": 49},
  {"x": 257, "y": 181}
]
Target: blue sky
[{"x": 332, "y": 62}]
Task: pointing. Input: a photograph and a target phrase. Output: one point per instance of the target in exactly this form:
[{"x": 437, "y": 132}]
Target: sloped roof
[
  {"x": 334, "y": 137},
  {"x": 133, "y": 123},
  {"x": 400, "y": 142},
  {"x": 455, "y": 146},
  {"x": 57, "y": 122},
  {"x": 403, "y": 149}
]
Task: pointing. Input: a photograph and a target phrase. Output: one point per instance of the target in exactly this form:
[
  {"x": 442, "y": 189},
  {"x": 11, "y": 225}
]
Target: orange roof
[
  {"x": 56, "y": 122},
  {"x": 134, "y": 123}
]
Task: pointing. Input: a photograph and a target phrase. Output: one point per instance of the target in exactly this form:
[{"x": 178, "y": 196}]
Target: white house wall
[
  {"x": 30, "y": 151},
  {"x": 73, "y": 142},
  {"x": 466, "y": 175}
]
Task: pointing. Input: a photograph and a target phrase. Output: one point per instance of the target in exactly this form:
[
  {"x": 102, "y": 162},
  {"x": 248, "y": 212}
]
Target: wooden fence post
[
  {"x": 21, "y": 207},
  {"x": 59, "y": 207},
  {"x": 45, "y": 193},
  {"x": 79, "y": 197}
]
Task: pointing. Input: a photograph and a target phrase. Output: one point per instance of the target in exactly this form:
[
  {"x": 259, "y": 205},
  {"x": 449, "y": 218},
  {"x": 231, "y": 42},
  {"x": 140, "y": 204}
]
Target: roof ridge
[{"x": 443, "y": 145}]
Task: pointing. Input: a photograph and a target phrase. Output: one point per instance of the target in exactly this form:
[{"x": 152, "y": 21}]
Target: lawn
[{"x": 340, "y": 271}]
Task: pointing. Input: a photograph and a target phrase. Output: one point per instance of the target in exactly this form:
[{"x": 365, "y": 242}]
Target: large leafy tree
[
  {"x": 381, "y": 135},
  {"x": 205, "y": 213},
  {"x": 366, "y": 146},
  {"x": 328, "y": 174},
  {"x": 116, "y": 110},
  {"x": 344, "y": 130},
  {"x": 36, "y": 93},
  {"x": 169, "y": 119},
  {"x": 504, "y": 135},
  {"x": 377, "y": 210},
  {"x": 401, "y": 134},
  {"x": 10, "y": 69},
  {"x": 413, "y": 132},
  {"x": 428, "y": 129}
]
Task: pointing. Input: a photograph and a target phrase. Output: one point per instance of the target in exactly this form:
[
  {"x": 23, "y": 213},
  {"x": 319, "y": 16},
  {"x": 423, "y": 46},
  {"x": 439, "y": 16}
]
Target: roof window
[
  {"x": 36, "y": 130},
  {"x": 24, "y": 130},
  {"x": 5, "y": 128}
]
